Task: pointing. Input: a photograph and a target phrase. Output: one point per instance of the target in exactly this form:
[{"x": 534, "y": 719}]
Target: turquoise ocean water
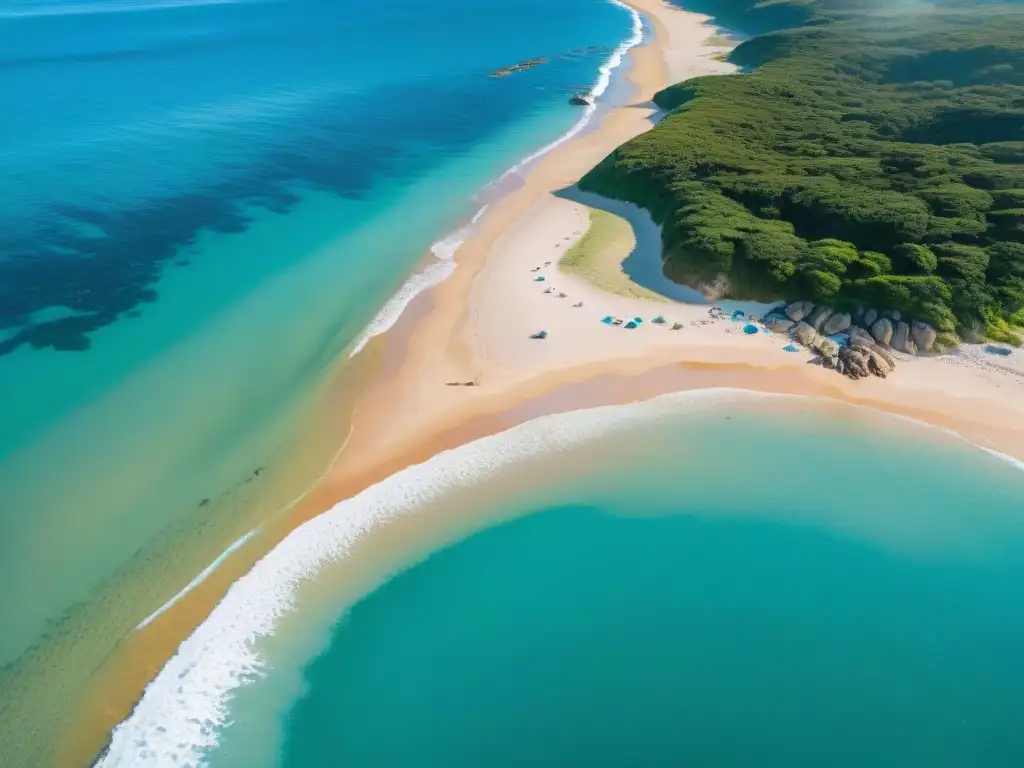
[
  {"x": 205, "y": 204},
  {"x": 703, "y": 579}
]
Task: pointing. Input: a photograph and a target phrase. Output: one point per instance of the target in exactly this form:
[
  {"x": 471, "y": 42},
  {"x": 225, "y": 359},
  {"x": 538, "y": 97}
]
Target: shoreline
[{"x": 446, "y": 333}]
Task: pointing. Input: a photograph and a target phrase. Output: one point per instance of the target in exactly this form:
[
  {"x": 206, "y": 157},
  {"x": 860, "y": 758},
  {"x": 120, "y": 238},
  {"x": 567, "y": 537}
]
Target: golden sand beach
[{"x": 477, "y": 327}]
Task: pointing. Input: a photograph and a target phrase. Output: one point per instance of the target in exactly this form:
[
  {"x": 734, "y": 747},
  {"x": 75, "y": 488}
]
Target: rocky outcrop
[
  {"x": 582, "y": 99},
  {"x": 838, "y": 323},
  {"x": 818, "y": 317},
  {"x": 826, "y": 347},
  {"x": 805, "y": 334},
  {"x": 715, "y": 289},
  {"x": 798, "y": 310},
  {"x": 923, "y": 336},
  {"x": 859, "y": 337},
  {"x": 852, "y": 362},
  {"x": 882, "y": 330},
  {"x": 901, "y": 340},
  {"x": 778, "y": 323},
  {"x": 897, "y": 316},
  {"x": 870, "y": 316},
  {"x": 521, "y": 66}
]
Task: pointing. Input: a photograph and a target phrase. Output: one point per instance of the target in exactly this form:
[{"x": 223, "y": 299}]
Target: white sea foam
[
  {"x": 178, "y": 718},
  {"x": 198, "y": 579},
  {"x": 604, "y": 77},
  {"x": 445, "y": 248},
  {"x": 444, "y": 252},
  {"x": 183, "y": 708}
]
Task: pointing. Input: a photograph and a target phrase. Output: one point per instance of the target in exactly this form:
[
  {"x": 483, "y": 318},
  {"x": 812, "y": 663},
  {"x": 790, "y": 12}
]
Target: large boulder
[
  {"x": 897, "y": 315},
  {"x": 798, "y": 310},
  {"x": 778, "y": 323},
  {"x": 853, "y": 363},
  {"x": 882, "y": 330},
  {"x": 859, "y": 336},
  {"x": 818, "y": 317},
  {"x": 869, "y": 317},
  {"x": 836, "y": 324},
  {"x": 923, "y": 336},
  {"x": 826, "y": 347},
  {"x": 901, "y": 340},
  {"x": 805, "y": 334}
]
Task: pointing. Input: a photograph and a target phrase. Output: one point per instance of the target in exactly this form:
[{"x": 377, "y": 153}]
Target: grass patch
[{"x": 597, "y": 256}]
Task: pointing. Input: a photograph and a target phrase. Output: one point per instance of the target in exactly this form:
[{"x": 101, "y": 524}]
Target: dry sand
[{"x": 476, "y": 327}]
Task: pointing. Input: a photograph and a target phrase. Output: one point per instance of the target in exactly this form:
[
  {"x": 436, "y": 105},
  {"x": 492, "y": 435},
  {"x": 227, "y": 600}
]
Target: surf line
[{"x": 197, "y": 580}]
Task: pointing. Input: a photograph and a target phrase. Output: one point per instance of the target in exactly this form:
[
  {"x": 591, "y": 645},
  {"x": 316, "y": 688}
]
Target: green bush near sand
[
  {"x": 598, "y": 255},
  {"x": 866, "y": 156}
]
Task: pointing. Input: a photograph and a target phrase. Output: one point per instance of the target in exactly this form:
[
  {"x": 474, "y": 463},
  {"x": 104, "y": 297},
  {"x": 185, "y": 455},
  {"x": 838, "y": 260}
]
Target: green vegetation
[
  {"x": 866, "y": 156},
  {"x": 597, "y": 256}
]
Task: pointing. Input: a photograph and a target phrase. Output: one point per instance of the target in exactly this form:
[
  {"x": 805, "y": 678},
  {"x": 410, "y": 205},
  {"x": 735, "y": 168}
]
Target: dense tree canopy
[{"x": 868, "y": 153}]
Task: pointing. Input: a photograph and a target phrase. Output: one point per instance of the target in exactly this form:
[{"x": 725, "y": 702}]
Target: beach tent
[
  {"x": 540, "y": 278},
  {"x": 638, "y": 320},
  {"x": 540, "y": 335},
  {"x": 749, "y": 328},
  {"x": 631, "y": 324},
  {"x": 607, "y": 320},
  {"x": 659, "y": 320},
  {"x": 739, "y": 314},
  {"x": 677, "y": 326}
]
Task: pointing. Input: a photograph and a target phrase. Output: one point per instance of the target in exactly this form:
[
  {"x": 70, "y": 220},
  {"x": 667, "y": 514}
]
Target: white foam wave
[
  {"x": 198, "y": 579},
  {"x": 181, "y": 710},
  {"x": 604, "y": 77},
  {"x": 445, "y": 248},
  {"x": 444, "y": 251}
]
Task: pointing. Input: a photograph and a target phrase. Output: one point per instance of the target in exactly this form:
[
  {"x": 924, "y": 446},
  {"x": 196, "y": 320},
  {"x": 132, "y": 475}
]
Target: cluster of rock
[
  {"x": 582, "y": 99},
  {"x": 521, "y": 66},
  {"x": 871, "y": 336}
]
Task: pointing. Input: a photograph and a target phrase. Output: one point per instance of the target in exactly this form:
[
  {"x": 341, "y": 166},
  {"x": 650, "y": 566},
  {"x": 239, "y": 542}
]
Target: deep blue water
[{"x": 204, "y": 204}]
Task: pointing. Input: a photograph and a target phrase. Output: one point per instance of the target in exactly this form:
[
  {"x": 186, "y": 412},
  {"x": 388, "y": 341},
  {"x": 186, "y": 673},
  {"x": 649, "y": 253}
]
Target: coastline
[{"x": 460, "y": 330}]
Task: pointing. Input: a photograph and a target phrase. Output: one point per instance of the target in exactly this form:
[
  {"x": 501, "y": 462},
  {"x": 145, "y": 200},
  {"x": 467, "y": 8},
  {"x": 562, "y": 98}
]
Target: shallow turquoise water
[
  {"x": 725, "y": 587},
  {"x": 206, "y": 202}
]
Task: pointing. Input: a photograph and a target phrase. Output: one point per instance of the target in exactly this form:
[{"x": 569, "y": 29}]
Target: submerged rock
[
  {"x": 836, "y": 324},
  {"x": 882, "y": 330},
  {"x": 923, "y": 335},
  {"x": 798, "y": 310}
]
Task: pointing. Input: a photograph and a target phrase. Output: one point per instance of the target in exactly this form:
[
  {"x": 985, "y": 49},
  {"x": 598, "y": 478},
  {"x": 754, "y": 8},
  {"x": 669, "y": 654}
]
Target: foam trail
[
  {"x": 177, "y": 720},
  {"x": 389, "y": 314},
  {"x": 604, "y": 77},
  {"x": 198, "y": 579}
]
